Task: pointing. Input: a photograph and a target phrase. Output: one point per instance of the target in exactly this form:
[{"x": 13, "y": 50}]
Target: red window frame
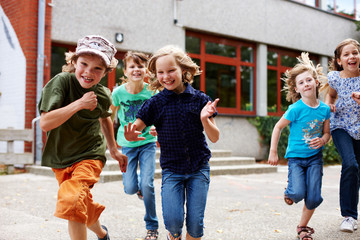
[
  {"x": 204, "y": 58},
  {"x": 282, "y": 69}
]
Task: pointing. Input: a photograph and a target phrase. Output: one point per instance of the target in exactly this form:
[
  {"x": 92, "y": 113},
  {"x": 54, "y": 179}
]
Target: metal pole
[{"x": 40, "y": 73}]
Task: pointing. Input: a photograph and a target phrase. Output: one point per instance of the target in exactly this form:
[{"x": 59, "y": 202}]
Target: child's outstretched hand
[
  {"x": 131, "y": 134},
  {"x": 356, "y": 97},
  {"x": 209, "y": 109}
]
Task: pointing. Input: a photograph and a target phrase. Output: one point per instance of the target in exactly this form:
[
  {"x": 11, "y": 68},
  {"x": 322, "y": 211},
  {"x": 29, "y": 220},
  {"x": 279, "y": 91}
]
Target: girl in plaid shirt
[{"x": 180, "y": 114}]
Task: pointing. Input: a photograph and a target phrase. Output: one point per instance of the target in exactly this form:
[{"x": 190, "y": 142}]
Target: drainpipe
[{"x": 40, "y": 74}]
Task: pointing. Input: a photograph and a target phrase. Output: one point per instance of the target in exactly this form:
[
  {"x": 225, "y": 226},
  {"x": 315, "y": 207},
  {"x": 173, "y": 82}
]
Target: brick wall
[{"x": 23, "y": 16}]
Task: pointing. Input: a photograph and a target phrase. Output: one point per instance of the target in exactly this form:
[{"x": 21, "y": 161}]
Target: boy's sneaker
[
  {"x": 349, "y": 224},
  {"x": 107, "y": 237}
]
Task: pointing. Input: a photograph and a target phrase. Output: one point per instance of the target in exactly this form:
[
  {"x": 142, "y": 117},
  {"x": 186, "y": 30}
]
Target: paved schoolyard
[{"x": 239, "y": 207}]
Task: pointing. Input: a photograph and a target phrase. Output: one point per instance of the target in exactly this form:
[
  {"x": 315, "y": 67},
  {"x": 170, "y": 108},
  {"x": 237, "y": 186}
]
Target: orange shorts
[{"x": 75, "y": 201}]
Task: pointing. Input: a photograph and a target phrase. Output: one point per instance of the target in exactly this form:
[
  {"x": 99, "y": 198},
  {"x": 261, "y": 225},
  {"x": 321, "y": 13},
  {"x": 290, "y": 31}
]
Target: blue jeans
[
  {"x": 305, "y": 180},
  {"x": 178, "y": 188},
  {"x": 349, "y": 150},
  {"x": 144, "y": 156}
]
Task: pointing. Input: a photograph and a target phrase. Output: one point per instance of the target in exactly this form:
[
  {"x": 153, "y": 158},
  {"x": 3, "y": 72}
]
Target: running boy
[
  {"x": 127, "y": 99},
  {"x": 309, "y": 132},
  {"x": 75, "y": 114}
]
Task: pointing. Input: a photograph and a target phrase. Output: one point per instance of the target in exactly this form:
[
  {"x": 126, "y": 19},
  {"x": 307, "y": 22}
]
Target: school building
[{"x": 243, "y": 48}]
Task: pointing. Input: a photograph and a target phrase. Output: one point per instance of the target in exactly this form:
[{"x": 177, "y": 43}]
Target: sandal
[
  {"x": 304, "y": 233},
  {"x": 152, "y": 235},
  {"x": 139, "y": 194},
  {"x": 288, "y": 200},
  {"x": 169, "y": 238}
]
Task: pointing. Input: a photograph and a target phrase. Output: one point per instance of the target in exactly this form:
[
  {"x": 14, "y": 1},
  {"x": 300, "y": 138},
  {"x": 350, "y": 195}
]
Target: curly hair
[
  {"x": 334, "y": 66},
  {"x": 137, "y": 57},
  {"x": 188, "y": 66},
  {"x": 305, "y": 64},
  {"x": 72, "y": 57}
]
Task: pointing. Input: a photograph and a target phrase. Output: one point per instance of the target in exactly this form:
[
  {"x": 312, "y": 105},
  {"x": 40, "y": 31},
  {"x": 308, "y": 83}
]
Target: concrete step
[
  {"x": 113, "y": 165},
  {"x": 116, "y": 175},
  {"x": 214, "y": 153},
  {"x": 109, "y": 176}
]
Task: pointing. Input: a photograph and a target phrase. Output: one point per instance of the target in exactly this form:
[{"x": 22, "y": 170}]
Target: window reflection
[
  {"x": 196, "y": 82},
  {"x": 247, "y": 80},
  {"x": 247, "y": 54},
  {"x": 220, "y": 49},
  {"x": 57, "y": 59},
  {"x": 272, "y": 91},
  {"x": 119, "y": 72},
  {"x": 221, "y": 83},
  {"x": 272, "y": 58},
  {"x": 192, "y": 44},
  {"x": 288, "y": 61}
]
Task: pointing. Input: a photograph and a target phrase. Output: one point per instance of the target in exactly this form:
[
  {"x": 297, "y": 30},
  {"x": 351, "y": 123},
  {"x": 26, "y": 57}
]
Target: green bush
[{"x": 265, "y": 126}]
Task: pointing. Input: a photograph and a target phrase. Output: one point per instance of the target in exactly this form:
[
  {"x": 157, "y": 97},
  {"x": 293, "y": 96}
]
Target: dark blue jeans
[{"x": 349, "y": 150}]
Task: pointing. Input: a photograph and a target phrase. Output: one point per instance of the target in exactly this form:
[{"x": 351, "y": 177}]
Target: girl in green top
[{"x": 127, "y": 99}]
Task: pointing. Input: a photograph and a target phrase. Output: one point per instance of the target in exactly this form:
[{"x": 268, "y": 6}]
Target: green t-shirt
[
  {"x": 80, "y": 137},
  {"x": 129, "y": 104}
]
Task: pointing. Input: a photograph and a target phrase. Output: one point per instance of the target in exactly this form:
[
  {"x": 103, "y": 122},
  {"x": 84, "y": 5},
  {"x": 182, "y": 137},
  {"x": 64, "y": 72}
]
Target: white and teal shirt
[{"x": 129, "y": 104}]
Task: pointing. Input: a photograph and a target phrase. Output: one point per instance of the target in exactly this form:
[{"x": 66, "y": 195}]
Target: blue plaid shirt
[{"x": 180, "y": 131}]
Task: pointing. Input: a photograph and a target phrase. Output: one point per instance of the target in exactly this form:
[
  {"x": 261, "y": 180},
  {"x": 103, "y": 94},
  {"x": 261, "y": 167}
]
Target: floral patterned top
[{"x": 347, "y": 114}]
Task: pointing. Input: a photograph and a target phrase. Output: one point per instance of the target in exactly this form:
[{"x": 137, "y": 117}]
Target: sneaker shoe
[{"x": 349, "y": 224}]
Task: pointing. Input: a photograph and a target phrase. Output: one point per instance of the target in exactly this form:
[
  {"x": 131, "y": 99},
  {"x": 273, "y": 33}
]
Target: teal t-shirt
[
  {"x": 80, "y": 137},
  {"x": 129, "y": 104},
  {"x": 306, "y": 123}
]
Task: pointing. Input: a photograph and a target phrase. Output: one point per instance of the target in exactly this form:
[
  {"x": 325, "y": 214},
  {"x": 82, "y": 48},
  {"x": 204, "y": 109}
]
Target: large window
[
  {"x": 58, "y": 60},
  {"x": 278, "y": 61},
  {"x": 228, "y": 71}
]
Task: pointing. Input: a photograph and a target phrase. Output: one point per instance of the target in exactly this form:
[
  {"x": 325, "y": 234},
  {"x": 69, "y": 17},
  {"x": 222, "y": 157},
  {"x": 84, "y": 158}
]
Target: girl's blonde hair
[
  {"x": 72, "y": 57},
  {"x": 334, "y": 66},
  {"x": 305, "y": 64},
  {"x": 137, "y": 57},
  {"x": 187, "y": 65}
]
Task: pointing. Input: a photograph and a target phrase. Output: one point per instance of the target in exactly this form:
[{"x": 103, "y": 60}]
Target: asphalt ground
[{"x": 238, "y": 207}]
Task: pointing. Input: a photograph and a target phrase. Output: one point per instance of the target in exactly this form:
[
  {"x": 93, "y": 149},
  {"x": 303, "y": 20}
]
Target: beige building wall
[{"x": 149, "y": 24}]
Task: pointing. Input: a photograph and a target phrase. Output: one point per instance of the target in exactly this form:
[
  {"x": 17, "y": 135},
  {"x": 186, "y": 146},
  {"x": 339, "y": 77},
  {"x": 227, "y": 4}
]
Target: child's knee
[
  {"x": 131, "y": 188},
  {"x": 313, "y": 203}
]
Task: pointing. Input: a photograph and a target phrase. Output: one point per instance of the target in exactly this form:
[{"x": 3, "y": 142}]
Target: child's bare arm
[
  {"x": 273, "y": 155},
  {"x": 108, "y": 131},
  {"x": 132, "y": 131},
  {"x": 356, "y": 97},
  {"x": 318, "y": 142},
  {"x": 54, "y": 118},
  {"x": 208, "y": 122},
  {"x": 331, "y": 98}
]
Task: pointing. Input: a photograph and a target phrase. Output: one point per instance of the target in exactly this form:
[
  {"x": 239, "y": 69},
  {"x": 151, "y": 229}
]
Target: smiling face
[
  {"x": 89, "y": 70},
  {"x": 306, "y": 85},
  {"x": 169, "y": 74},
  {"x": 349, "y": 58},
  {"x": 135, "y": 72}
]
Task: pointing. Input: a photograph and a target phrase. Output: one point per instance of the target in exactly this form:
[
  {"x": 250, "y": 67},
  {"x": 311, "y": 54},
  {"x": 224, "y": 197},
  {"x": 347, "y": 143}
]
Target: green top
[
  {"x": 129, "y": 104},
  {"x": 80, "y": 137}
]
